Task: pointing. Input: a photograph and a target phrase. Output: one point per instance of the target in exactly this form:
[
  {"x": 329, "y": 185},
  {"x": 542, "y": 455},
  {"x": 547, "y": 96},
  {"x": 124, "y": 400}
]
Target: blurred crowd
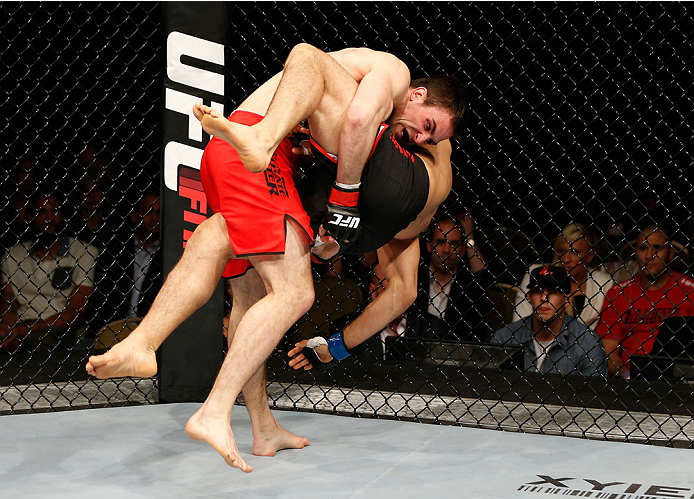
[
  {"x": 77, "y": 254},
  {"x": 82, "y": 263}
]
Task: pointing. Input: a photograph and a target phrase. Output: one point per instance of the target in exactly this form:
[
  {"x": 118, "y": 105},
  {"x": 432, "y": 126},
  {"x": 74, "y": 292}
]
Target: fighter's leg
[
  {"x": 287, "y": 279},
  {"x": 309, "y": 83},
  {"x": 268, "y": 435},
  {"x": 197, "y": 272}
]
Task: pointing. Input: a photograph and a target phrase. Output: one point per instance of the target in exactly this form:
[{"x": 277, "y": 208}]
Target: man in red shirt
[{"x": 635, "y": 309}]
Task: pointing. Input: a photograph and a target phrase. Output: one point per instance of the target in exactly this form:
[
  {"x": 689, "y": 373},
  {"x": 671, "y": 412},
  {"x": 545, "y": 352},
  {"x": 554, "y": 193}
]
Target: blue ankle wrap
[{"x": 336, "y": 345}]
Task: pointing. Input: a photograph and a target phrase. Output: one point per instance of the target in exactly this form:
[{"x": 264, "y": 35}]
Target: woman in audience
[{"x": 574, "y": 250}]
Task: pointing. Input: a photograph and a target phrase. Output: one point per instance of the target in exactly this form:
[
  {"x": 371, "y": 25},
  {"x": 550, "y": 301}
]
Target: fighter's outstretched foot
[
  {"x": 130, "y": 357},
  {"x": 253, "y": 144},
  {"x": 268, "y": 442},
  {"x": 216, "y": 431}
]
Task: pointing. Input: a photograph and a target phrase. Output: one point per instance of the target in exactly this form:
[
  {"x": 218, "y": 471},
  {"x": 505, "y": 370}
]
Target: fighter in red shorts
[
  {"x": 257, "y": 214},
  {"x": 272, "y": 295}
]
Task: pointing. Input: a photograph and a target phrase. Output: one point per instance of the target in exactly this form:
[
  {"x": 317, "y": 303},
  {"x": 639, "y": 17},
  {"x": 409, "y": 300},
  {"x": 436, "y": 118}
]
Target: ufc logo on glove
[{"x": 343, "y": 221}]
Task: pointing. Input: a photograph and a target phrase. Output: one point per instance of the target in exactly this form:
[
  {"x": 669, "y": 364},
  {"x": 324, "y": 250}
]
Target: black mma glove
[{"x": 342, "y": 219}]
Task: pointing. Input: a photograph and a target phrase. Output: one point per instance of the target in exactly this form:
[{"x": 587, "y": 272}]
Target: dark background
[{"x": 575, "y": 107}]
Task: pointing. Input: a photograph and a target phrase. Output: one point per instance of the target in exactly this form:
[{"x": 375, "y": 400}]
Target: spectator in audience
[
  {"x": 15, "y": 214},
  {"x": 612, "y": 218},
  {"x": 452, "y": 303},
  {"x": 552, "y": 342},
  {"x": 574, "y": 250},
  {"x": 46, "y": 283},
  {"x": 95, "y": 161},
  {"x": 133, "y": 269},
  {"x": 89, "y": 222},
  {"x": 88, "y": 157},
  {"x": 24, "y": 177},
  {"x": 14, "y": 199},
  {"x": 635, "y": 309}
]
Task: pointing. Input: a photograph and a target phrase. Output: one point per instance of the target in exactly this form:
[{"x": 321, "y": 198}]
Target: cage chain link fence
[
  {"x": 79, "y": 186},
  {"x": 579, "y": 136}
]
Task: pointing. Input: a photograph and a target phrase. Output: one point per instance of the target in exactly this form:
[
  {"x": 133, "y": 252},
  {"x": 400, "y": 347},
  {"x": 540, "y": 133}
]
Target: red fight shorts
[{"x": 256, "y": 206}]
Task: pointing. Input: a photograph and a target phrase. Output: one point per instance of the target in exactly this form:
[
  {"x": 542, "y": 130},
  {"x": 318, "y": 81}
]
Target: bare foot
[
  {"x": 130, "y": 357},
  {"x": 253, "y": 143},
  {"x": 216, "y": 431},
  {"x": 269, "y": 442}
]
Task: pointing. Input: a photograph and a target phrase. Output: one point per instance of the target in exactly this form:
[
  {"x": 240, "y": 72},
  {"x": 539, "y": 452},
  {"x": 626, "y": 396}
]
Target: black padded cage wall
[{"x": 580, "y": 113}]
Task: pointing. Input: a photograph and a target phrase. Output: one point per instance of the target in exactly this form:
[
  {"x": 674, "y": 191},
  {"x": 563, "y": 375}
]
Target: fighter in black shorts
[
  {"x": 271, "y": 296},
  {"x": 394, "y": 191}
]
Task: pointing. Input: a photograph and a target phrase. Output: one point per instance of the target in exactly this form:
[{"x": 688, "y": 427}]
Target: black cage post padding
[{"x": 190, "y": 358}]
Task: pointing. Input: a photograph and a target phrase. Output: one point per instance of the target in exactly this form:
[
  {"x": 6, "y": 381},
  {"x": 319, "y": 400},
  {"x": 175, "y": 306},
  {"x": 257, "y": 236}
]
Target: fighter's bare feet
[
  {"x": 130, "y": 357},
  {"x": 216, "y": 431},
  {"x": 277, "y": 438},
  {"x": 253, "y": 143}
]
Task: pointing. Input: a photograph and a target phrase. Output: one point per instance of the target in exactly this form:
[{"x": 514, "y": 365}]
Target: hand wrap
[
  {"x": 336, "y": 346},
  {"x": 315, "y": 258}
]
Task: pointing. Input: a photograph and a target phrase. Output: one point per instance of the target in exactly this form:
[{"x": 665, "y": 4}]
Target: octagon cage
[{"x": 575, "y": 159}]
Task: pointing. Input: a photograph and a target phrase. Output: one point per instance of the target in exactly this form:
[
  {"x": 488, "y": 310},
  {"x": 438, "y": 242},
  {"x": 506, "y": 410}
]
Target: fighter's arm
[
  {"x": 399, "y": 260},
  {"x": 384, "y": 83},
  {"x": 383, "y": 80}
]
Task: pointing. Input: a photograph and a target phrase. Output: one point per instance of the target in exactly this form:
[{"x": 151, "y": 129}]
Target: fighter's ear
[{"x": 418, "y": 94}]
